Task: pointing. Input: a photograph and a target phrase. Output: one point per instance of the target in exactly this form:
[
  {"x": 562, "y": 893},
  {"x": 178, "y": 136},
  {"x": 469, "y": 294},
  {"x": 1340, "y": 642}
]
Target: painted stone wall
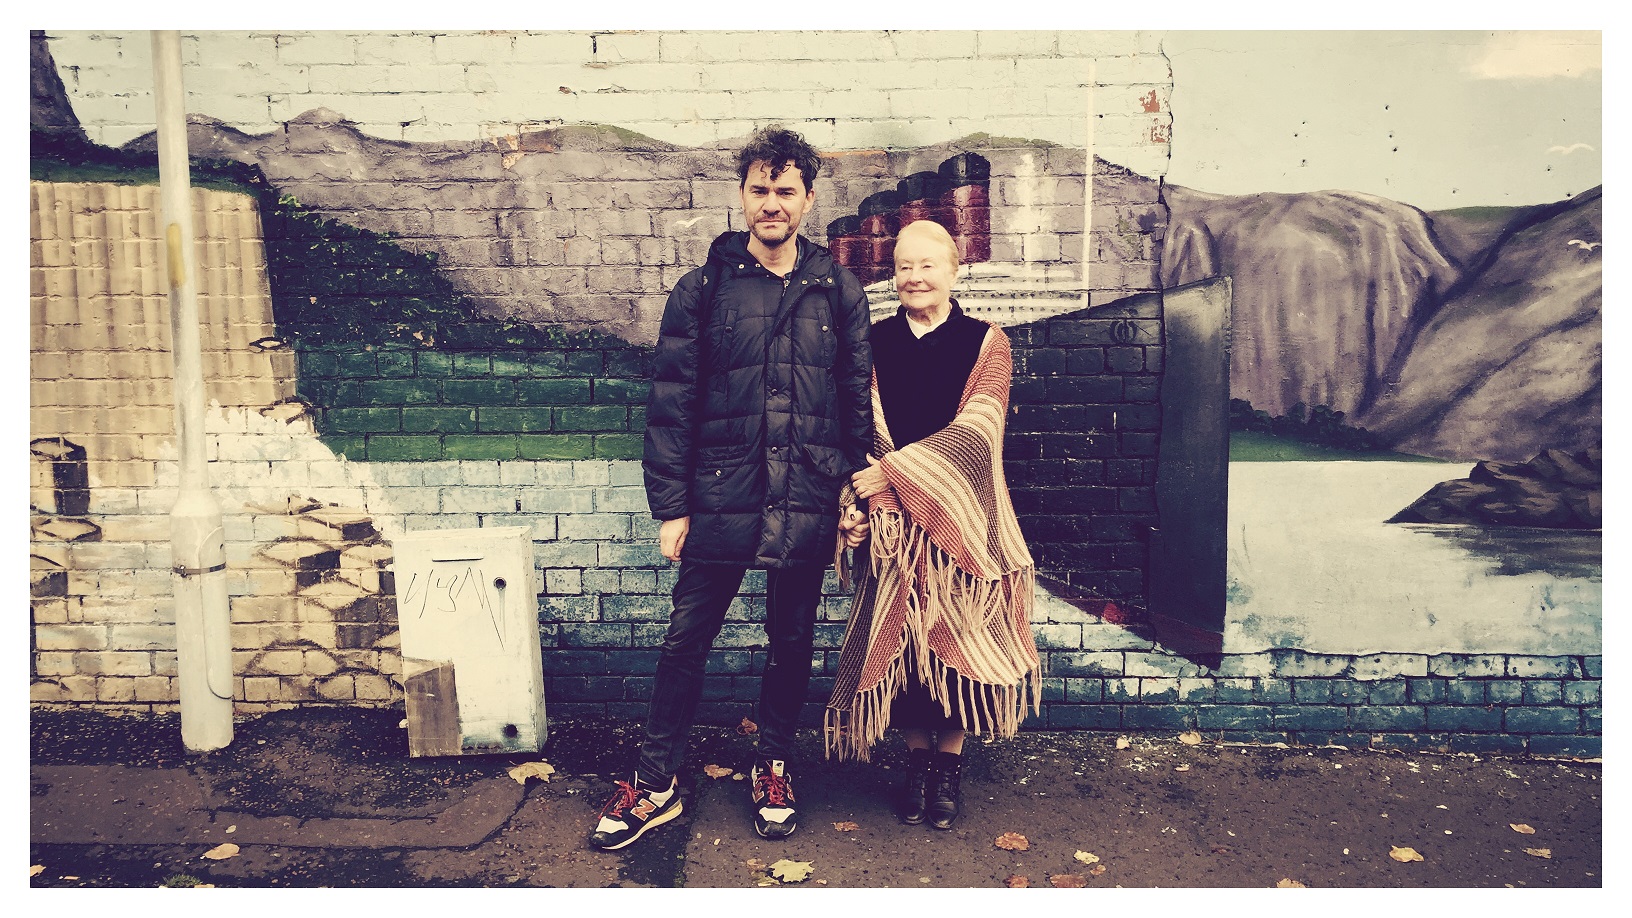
[
  {"x": 463, "y": 267},
  {"x": 308, "y": 529}
]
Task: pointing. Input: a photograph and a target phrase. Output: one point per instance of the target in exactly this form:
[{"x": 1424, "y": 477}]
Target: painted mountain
[{"x": 1467, "y": 334}]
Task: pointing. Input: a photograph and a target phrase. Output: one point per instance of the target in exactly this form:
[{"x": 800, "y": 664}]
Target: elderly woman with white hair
[{"x": 939, "y": 640}]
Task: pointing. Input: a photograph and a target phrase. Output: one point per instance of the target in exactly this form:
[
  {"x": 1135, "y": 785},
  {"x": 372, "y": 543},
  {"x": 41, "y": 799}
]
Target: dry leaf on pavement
[
  {"x": 1012, "y": 841},
  {"x": 1122, "y": 742},
  {"x": 1404, "y": 855},
  {"x": 846, "y": 826},
  {"x": 1289, "y": 883},
  {"x": 791, "y": 871},
  {"x": 754, "y": 863},
  {"x": 36, "y": 870},
  {"x": 1540, "y": 852},
  {"x": 1190, "y": 738},
  {"x": 747, "y": 726},
  {"x": 717, "y": 771},
  {"x": 222, "y": 852},
  {"x": 1086, "y": 858},
  {"x": 1068, "y": 881},
  {"x": 1096, "y": 870},
  {"x": 1016, "y": 881},
  {"x": 540, "y": 770},
  {"x": 1184, "y": 767},
  {"x": 1521, "y": 828}
]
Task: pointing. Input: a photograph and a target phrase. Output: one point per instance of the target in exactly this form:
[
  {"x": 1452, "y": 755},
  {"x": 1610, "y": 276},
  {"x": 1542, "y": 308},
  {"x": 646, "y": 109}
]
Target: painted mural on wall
[{"x": 459, "y": 335}]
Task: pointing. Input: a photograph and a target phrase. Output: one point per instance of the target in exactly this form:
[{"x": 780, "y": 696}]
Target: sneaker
[
  {"x": 633, "y": 809},
  {"x": 772, "y": 790}
]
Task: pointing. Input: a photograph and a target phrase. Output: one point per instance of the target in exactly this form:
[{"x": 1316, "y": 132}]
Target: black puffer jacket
[{"x": 757, "y": 419}]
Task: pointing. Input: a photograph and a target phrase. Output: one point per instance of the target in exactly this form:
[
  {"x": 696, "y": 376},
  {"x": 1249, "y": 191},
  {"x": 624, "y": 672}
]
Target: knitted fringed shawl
[{"x": 949, "y": 580}]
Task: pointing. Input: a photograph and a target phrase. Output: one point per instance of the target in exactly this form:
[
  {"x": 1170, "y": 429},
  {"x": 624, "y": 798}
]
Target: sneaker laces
[
  {"x": 622, "y": 799},
  {"x": 774, "y": 786}
]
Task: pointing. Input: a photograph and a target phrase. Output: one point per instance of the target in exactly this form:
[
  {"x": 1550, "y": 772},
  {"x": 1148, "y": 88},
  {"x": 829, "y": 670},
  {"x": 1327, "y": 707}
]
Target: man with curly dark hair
[{"x": 759, "y": 412}]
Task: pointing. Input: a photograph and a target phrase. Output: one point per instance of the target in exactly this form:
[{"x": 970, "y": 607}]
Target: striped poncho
[{"x": 949, "y": 580}]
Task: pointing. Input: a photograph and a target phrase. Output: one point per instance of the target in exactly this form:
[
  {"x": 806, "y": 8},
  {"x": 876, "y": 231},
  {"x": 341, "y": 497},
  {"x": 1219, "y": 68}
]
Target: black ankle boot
[
  {"x": 943, "y": 793},
  {"x": 909, "y": 801}
]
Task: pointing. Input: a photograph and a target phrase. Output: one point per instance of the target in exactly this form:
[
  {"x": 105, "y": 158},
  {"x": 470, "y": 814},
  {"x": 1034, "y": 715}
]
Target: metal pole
[
  {"x": 197, "y": 548},
  {"x": 1088, "y": 189}
]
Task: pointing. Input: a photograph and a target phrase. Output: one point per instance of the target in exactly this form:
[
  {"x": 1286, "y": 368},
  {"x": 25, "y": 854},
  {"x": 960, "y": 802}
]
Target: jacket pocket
[
  {"x": 724, "y": 478},
  {"x": 731, "y": 454},
  {"x": 824, "y": 460}
]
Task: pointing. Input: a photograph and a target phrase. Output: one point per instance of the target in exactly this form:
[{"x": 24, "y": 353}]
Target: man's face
[{"x": 774, "y": 207}]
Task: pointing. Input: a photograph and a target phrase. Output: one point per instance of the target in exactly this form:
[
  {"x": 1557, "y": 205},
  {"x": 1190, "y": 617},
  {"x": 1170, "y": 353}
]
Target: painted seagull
[{"x": 1585, "y": 246}]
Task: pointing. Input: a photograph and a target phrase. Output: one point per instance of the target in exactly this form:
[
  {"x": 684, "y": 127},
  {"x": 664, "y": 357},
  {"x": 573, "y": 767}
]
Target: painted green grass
[
  {"x": 45, "y": 171},
  {"x": 1253, "y": 446}
]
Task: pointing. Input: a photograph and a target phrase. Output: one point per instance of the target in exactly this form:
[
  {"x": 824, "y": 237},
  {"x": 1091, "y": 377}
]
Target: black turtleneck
[{"x": 920, "y": 380}]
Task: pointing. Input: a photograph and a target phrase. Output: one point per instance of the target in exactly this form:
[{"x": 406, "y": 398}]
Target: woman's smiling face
[{"x": 924, "y": 272}]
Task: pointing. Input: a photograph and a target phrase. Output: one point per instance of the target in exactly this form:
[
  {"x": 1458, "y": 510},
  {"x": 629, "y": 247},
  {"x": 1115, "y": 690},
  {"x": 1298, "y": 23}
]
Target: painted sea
[{"x": 1313, "y": 566}]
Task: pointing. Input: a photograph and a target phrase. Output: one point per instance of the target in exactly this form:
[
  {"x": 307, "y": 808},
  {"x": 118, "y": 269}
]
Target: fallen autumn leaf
[
  {"x": 1096, "y": 870},
  {"x": 1068, "y": 881},
  {"x": 540, "y": 770},
  {"x": 791, "y": 871},
  {"x": 747, "y": 726},
  {"x": 1288, "y": 883},
  {"x": 1521, "y": 828},
  {"x": 36, "y": 870},
  {"x": 221, "y": 852},
  {"x": 1012, "y": 841},
  {"x": 1190, "y": 738},
  {"x": 1404, "y": 855},
  {"x": 1015, "y": 881},
  {"x": 846, "y": 826},
  {"x": 1086, "y": 858},
  {"x": 1540, "y": 852},
  {"x": 717, "y": 771},
  {"x": 1122, "y": 742}
]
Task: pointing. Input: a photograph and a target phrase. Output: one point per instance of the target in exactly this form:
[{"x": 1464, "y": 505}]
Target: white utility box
[{"x": 467, "y": 609}]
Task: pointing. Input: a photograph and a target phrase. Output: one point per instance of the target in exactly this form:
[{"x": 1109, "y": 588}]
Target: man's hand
[
  {"x": 671, "y": 537},
  {"x": 871, "y": 480},
  {"x": 853, "y": 527}
]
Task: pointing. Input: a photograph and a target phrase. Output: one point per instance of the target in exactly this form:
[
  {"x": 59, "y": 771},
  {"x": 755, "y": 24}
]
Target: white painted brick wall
[{"x": 843, "y": 89}]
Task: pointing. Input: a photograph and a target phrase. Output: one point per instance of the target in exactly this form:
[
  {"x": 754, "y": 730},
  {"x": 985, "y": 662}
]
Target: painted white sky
[{"x": 1432, "y": 119}]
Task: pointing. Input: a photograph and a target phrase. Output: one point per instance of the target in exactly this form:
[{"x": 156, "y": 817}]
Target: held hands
[
  {"x": 671, "y": 537},
  {"x": 853, "y": 527},
  {"x": 870, "y": 481}
]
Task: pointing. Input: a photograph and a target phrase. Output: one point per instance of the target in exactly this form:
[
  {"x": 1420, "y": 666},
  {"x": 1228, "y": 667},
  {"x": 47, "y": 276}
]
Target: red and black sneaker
[
  {"x": 772, "y": 791},
  {"x": 634, "y": 808}
]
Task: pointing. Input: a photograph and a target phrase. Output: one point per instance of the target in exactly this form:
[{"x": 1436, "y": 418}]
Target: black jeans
[{"x": 701, "y": 596}]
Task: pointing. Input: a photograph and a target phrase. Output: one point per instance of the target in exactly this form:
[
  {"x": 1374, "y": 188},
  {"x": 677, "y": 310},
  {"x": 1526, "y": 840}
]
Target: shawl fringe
[{"x": 939, "y": 594}]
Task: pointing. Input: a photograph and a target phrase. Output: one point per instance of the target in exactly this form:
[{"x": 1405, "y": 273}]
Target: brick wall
[
  {"x": 844, "y": 89},
  {"x": 308, "y": 530},
  {"x": 1080, "y": 455},
  {"x": 575, "y": 232}
]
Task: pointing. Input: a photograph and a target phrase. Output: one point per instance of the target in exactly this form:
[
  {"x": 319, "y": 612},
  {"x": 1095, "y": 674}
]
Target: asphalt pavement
[{"x": 330, "y": 798}]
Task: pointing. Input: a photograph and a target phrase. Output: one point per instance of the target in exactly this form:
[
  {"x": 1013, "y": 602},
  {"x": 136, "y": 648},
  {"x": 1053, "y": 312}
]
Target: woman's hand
[{"x": 870, "y": 481}]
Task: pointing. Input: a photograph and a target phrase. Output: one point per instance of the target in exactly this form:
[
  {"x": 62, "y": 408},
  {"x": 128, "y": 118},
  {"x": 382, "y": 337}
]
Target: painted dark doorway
[{"x": 1186, "y": 586}]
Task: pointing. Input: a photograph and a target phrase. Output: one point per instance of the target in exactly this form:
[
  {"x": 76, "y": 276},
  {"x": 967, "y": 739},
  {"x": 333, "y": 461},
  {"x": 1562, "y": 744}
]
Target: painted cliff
[{"x": 1466, "y": 335}]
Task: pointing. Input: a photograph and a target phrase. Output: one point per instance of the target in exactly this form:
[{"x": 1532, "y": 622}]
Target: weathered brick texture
[{"x": 844, "y": 89}]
